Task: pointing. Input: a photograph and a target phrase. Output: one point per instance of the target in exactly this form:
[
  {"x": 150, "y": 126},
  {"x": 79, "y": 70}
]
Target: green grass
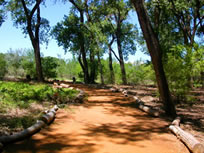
[
  {"x": 18, "y": 95},
  {"x": 21, "y": 95}
]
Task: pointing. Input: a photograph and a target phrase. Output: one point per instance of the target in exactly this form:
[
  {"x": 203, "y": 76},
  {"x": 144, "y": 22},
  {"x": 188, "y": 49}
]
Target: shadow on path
[{"x": 106, "y": 123}]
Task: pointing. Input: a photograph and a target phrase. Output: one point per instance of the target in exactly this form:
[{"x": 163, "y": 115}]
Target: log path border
[
  {"x": 45, "y": 119},
  {"x": 188, "y": 139}
]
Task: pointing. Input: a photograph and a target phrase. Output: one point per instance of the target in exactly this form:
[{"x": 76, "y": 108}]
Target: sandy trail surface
[{"x": 106, "y": 123}]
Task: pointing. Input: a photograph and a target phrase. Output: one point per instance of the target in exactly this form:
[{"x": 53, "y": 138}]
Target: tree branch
[
  {"x": 78, "y": 8},
  {"x": 114, "y": 54},
  {"x": 35, "y": 7},
  {"x": 37, "y": 27}
]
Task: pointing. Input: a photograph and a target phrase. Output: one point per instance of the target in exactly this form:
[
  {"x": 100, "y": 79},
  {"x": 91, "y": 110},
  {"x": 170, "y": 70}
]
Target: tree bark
[
  {"x": 93, "y": 68},
  {"x": 84, "y": 65},
  {"x": 101, "y": 69},
  {"x": 34, "y": 36},
  {"x": 122, "y": 65},
  {"x": 156, "y": 57},
  {"x": 38, "y": 62},
  {"x": 83, "y": 52},
  {"x": 112, "y": 76}
]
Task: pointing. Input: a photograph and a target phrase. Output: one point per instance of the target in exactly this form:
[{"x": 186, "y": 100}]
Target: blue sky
[{"x": 13, "y": 38}]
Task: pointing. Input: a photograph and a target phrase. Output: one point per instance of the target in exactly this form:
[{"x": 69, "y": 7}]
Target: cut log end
[
  {"x": 198, "y": 148},
  {"x": 176, "y": 121},
  {"x": 193, "y": 144},
  {"x": 48, "y": 118}
]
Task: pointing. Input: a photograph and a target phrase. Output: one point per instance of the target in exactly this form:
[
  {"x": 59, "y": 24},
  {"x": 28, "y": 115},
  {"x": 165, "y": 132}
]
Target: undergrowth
[{"x": 15, "y": 96}]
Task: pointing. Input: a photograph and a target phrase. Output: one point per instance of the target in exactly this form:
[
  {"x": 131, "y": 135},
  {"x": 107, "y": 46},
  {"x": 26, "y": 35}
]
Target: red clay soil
[{"x": 105, "y": 123}]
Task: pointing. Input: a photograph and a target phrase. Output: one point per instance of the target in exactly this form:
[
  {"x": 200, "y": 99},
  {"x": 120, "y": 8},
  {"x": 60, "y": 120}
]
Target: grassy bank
[{"x": 22, "y": 103}]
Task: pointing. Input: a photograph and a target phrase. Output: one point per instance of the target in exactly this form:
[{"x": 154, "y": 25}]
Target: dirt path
[{"x": 106, "y": 123}]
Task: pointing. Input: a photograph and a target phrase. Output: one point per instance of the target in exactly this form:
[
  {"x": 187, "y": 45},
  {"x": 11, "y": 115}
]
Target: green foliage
[
  {"x": 3, "y": 65},
  {"x": 198, "y": 65},
  {"x": 140, "y": 73},
  {"x": 49, "y": 65},
  {"x": 64, "y": 96},
  {"x": 178, "y": 69},
  {"x": 67, "y": 33},
  {"x": 137, "y": 72},
  {"x": 2, "y": 11},
  {"x": 21, "y": 95},
  {"x": 21, "y": 20},
  {"x": 28, "y": 63},
  {"x": 68, "y": 68},
  {"x": 14, "y": 58},
  {"x": 18, "y": 122}
]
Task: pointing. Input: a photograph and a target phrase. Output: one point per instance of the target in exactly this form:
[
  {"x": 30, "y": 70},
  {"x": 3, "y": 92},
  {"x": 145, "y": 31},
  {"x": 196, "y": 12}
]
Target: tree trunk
[
  {"x": 202, "y": 79},
  {"x": 34, "y": 36},
  {"x": 83, "y": 52},
  {"x": 101, "y": 69},
  {"x": 112, "y": 76},
  {"x": 38, "y": 62},
  {"x": 156, "y": 57},
  {"x": 93, "y": 68},
  {"x": 122, "y": 65}
]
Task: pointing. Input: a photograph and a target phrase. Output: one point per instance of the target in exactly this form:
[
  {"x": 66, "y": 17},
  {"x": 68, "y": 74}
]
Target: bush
[{"x": 49, "y": 65}]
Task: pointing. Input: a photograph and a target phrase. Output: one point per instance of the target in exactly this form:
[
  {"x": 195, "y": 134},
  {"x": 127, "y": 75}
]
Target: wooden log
[
  {"x": 121, "y": 90},
  {"x": 176, "y": 121},
  {"x": 147, "y": 109},
  {"x": 23, "y": 134},
  {"x": 125, "y": 93},
  {"x": 191, "y": 142},
  {"x": 54, "y": 109},
  {"x": 48, "y": 118},
  {"x": 64, "y": 85},
  {"x": 138, "y": 100},
  {"x": 114, "y": 89}
]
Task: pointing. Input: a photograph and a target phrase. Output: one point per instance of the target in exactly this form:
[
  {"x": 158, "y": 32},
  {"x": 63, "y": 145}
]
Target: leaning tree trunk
[
  {"x": 112, "y": 76},
  {"x": 156, "y": 56},
  {"x": 122, "y": 65}
]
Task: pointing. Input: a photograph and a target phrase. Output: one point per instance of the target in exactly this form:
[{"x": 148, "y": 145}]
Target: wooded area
[{"x": 172, "y": 30}]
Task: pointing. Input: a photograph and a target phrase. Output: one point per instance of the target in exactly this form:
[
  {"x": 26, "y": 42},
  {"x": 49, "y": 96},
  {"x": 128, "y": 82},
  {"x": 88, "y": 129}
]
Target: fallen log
[
  {"x": 54, "y": 109},
  {"x": 114, "y": 89},
  {"x": 64, "y": 85},
  {"x": 121, "y": 89},
  {"x": 147, "y": 109},
  {"x": 23, "y": 134},
  {"x": 191, "y": 142},
  {"x": 176, "y": 121},
  {"x": 48, "y": 117},
  {"x": 125, "y": 93}
]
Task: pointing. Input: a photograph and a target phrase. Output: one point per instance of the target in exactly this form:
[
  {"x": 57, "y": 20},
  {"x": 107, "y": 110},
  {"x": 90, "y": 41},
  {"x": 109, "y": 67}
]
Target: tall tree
[
  {"x": 79, "y": 7},
  {"x": 112, "y": 76},
  {"x": 26, "y": 14},
  {"x": 124, "y": 32},
  {"x": 156, "y": 56},
  {"x": 71, "y": 34},
  {"x": 178, "y": 22}
]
